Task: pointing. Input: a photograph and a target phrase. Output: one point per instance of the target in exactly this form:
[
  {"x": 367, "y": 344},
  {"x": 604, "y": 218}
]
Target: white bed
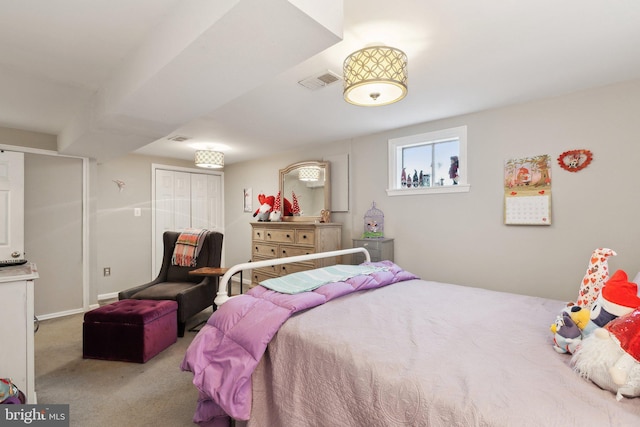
[{"x": 421, "y": 353}]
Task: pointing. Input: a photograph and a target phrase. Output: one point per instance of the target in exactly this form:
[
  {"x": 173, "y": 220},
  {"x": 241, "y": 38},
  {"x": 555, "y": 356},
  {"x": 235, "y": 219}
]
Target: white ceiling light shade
[
  {"x": 375, "y": 76},
  {"x": 309, "y": 174},
  {"x": 209, "y": 159}
]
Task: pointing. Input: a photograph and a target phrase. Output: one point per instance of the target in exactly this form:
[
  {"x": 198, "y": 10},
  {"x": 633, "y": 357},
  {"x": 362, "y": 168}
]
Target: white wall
[
  {"x": 53, "y": 230},
  {"x": 461, "y": 238},
  {"x": 123, "y": 241}
]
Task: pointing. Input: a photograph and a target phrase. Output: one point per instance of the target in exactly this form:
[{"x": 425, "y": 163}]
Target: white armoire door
[{"x": 11, "y": 205}]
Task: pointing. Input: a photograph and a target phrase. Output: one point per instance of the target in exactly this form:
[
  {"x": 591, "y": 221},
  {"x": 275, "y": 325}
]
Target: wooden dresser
[{"x": 283, "y": 239}]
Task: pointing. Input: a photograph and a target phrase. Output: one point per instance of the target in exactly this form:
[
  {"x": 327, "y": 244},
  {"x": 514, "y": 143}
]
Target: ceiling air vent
[
  {"x": 320, "y": 80},
  {"x": 178, "y": 138}
]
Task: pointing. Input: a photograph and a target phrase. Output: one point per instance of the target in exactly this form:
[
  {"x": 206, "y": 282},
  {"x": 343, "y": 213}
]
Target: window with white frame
[{"x": 428, "y": 163}]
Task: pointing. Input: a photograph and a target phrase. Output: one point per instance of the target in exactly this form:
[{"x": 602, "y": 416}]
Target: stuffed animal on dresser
[{"x": 266, "y": 206}]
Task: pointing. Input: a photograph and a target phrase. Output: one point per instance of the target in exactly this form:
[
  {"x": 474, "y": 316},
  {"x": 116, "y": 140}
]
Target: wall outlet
[
  {"x": 137, "y": 212},
  {"x": 107, "y": 271}
]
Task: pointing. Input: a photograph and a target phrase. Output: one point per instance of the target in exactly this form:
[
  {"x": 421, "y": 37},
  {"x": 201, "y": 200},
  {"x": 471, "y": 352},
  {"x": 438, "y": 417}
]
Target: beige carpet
[{"x": 104, "y": 393}]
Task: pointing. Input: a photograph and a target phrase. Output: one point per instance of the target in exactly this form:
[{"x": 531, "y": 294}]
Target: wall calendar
[{"x": 527, "y": 191}]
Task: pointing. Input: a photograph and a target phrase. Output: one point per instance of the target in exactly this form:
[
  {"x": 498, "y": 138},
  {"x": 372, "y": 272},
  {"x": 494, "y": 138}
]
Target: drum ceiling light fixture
[
  {"x": 209, "y": 159},
  {"x": 309, "y": 174},
  {"x": 375, "y": 76}
]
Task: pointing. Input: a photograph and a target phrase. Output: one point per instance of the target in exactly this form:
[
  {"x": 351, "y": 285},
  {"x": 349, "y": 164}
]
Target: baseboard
[{"x": 60, "y": 314}]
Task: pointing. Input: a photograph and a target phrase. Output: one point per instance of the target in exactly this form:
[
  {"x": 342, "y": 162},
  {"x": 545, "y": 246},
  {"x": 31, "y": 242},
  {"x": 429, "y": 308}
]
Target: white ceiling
[{"x": 115, "y": 76}]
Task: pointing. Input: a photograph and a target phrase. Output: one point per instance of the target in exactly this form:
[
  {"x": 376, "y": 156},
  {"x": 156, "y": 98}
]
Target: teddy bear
[{"x": 610, "y": 357}]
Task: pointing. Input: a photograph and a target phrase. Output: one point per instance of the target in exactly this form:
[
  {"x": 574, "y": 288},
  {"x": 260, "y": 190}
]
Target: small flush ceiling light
[
  {"x": 209, "y": 159},
  {"x": 375, "y": 76},
  {"x": 309, "y": 174}
]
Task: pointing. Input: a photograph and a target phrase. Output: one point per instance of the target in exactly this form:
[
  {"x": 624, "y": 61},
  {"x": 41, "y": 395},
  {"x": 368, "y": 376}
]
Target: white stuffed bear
[{"x": 610, "y": 357}]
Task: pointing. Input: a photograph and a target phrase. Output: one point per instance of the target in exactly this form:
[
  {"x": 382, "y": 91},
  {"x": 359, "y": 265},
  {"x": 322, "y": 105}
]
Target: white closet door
[
  {"x": 185, "y": 200},
  {"x": 11, "y": 205},
  {"x": 172, "y": 207},
  {"x": 182, "y": 196},
  {"x": 164, "y": 203},
  {"x": 214, "y": 202},
  {"x": 206, "y": 202},
  {"x": 199, "y": 201}
]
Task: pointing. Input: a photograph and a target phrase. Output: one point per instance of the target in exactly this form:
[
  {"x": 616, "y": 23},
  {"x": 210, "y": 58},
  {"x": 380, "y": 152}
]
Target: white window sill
[{"x": 460, "y": 188}]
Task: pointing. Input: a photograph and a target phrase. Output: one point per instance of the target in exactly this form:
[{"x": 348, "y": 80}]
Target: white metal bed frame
[{"x": 222, "y": 295}]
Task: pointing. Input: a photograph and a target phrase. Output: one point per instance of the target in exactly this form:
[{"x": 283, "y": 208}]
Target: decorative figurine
[{"x": 453, "y": 170}]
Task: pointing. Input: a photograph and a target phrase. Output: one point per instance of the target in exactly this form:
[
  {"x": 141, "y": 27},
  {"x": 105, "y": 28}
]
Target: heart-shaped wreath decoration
[{"x": 575, "y": 160}]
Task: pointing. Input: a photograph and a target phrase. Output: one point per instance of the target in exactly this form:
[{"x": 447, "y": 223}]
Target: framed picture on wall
[{"x": 248, "y": 197}]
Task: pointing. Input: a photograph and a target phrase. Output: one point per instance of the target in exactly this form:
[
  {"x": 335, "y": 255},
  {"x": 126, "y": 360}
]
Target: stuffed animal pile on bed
[{"x": 602, "y": 329}]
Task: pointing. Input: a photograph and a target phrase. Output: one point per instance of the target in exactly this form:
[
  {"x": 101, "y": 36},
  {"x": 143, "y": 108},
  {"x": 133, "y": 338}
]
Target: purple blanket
[{"x": 227, "y": 350}]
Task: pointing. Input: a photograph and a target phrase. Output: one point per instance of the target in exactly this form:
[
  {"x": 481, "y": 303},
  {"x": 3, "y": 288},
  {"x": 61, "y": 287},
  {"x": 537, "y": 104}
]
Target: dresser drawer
[
  {"x": 258, "y": 276},
  {"x": 294, "y": 251},
  {"x": 271, "y": 270},
  {"x": 280, "y": 236},
  {"x": 259, "y": 233},
  {"x": 305, "y": 237},
  {"x": 294, "y": 268},
  {"x": 264, "y": 250}
]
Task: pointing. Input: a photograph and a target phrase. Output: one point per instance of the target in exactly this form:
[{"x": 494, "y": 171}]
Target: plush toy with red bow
[{"x": 266, "y": 206}]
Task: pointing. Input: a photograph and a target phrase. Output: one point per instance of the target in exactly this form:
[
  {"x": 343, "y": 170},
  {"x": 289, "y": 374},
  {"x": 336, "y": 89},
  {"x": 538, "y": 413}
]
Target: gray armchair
[{"x": 192, "y": 293}]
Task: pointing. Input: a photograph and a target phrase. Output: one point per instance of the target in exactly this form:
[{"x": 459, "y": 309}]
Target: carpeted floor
[{"x": 104, "y": 393}]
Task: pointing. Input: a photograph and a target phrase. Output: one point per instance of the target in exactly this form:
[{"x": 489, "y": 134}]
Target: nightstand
[{"x": 379, "y": 249}]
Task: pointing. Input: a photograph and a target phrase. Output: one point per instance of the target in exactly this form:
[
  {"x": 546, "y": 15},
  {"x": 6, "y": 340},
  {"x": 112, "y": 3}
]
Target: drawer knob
[
  {"x": 268, "y": 234},
  {"x": 304, "y": 236},
  {"x": 288, "y": 236}
]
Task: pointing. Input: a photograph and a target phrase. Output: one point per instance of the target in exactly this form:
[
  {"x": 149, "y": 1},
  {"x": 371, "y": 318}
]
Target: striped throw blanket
[{"x": 188, "y": 247}]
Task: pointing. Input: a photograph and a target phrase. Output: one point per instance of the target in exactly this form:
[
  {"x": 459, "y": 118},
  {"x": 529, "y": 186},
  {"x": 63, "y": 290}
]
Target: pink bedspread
[{"x": 227, "y": 350}]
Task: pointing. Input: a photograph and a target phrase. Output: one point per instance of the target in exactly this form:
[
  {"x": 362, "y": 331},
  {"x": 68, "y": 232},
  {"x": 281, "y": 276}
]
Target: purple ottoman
[{"x": 129, "y": 330}]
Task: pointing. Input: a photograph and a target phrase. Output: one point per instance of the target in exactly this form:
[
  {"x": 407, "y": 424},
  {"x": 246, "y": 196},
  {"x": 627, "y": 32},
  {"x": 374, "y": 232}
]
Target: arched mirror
[{"x": 305, "y": 186}]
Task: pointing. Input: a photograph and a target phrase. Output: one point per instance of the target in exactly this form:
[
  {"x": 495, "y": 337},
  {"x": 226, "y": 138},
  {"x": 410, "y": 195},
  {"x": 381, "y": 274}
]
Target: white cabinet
[{"x": 16, "y": 327}]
